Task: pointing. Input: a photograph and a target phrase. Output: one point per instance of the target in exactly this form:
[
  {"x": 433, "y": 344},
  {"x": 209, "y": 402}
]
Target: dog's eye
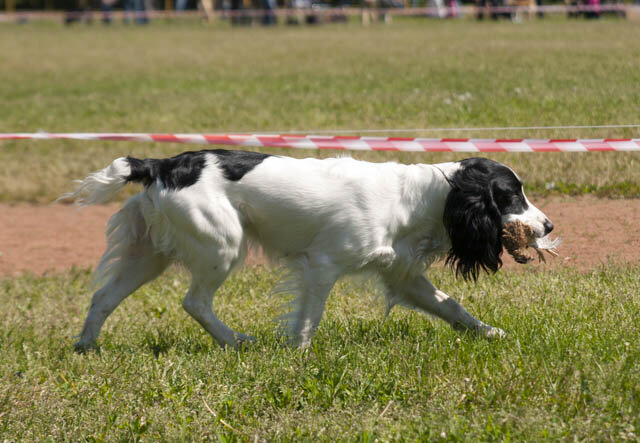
[
  {"x": 508, "y": 202},
  {"x": 503, "y": 200}
]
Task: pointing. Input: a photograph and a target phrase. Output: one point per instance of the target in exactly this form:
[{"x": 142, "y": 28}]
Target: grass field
[
  {"x": 570, "y": 366},
  {"x": 179, "y": 78},
  {"x": 569, "y": 369}
]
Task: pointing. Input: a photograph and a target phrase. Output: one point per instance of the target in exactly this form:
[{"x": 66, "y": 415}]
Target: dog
[{"x": 323, "y": 218}]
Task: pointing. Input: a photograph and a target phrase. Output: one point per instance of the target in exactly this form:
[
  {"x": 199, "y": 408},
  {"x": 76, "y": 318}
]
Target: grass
[
  {"x": 569, "y": 368},
  {"x": 412, "y": 74}
]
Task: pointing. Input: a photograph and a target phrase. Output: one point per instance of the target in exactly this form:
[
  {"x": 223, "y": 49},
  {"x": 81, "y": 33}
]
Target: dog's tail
[{"x": 101, "y": 186}]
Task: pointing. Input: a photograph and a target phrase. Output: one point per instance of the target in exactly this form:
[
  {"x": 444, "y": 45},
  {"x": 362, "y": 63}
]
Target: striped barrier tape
[{"x": 354, "y": 143}]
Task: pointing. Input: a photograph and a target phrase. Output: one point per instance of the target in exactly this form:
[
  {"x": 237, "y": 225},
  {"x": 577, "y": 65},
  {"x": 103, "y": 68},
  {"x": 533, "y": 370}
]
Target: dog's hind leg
[
  {"x": 135, "y": 271},
  {"x": 129, "y": 262},
  {"x": 419, "y": 293}
]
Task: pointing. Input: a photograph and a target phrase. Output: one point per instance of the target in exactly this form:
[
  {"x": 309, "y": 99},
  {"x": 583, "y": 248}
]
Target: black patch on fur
[
  {"x": 482, "y": 191},
  {"x": 185, "y": 169},
  {"x": 235, "y": 164},
  {"x": 142, "y": 171}
]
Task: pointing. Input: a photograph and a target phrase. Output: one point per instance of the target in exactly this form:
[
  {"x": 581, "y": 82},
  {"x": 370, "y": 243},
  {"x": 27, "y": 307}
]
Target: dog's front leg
[
  {"x": 316, "y": 276},
  {"x": 419, "y": 293}
]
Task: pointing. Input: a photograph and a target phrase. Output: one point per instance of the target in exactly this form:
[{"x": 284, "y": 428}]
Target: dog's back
[{"x": 202, "y": 201}]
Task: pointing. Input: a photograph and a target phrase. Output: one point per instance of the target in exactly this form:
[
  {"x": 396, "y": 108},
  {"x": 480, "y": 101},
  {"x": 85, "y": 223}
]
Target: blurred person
[
  {"x": 453, "y": 9},
  {"x": 438, "y": 8},
  {"x": 237, "y": 16},
  {"x": 106, "y": 7},
  {"x": 269, "y": 18},
  {"x": 80, "y": 13},
  {"x": 298, "y": 7},
  {"x": 208, "y": 7},
  {"x": 594, "y": 9},
  {"x": 493, "y": 8},
  {"x": 137, "y": 10},
  {"x": 482, "y": 7}
]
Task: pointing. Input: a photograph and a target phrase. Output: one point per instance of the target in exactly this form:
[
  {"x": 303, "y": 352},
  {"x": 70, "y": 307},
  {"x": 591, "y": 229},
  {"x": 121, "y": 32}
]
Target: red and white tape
[{"x": 355, "y": 143}]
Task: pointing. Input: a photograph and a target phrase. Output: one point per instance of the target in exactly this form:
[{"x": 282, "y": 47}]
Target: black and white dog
[{"x": 323, "y": 218}]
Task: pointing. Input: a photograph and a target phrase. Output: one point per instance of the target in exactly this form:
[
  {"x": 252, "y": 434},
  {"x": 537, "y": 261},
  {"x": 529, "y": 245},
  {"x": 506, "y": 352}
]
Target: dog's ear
[{"x": 474, "y": 225}]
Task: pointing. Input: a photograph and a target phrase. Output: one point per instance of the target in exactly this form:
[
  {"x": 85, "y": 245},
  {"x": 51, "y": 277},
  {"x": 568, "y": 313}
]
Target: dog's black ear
[{"x": 474, "y": 225}]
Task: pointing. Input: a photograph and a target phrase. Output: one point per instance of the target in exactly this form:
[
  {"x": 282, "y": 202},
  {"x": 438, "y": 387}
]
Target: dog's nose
[{"x": 548, "y": 227}]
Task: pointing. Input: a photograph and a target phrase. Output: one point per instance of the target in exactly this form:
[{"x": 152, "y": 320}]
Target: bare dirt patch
[{"x": 52, "y": 238}]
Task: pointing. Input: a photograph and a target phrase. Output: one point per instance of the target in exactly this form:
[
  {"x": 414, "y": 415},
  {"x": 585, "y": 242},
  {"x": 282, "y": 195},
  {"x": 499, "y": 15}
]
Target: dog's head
[{"x": 484, "y": 195}]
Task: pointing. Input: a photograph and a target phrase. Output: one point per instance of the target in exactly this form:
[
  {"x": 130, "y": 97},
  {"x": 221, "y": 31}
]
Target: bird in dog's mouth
[{"x": 517, "y": 237}]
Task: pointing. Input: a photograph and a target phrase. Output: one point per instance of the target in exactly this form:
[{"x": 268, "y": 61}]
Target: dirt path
[{"x": 51, "y": 238}]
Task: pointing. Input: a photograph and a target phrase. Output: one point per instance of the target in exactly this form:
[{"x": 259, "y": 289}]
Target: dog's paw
[
  {"x": 81, "y": 346},
  {"x": 493, "y": 333},
  {"x": 243, "y": 340},
  {"x": 299, "y": 342},
  {"x": 481, "y": 330}
]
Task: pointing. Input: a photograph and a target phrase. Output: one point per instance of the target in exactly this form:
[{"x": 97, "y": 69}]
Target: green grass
[
  {"x": 412, "y": 74},
  {"x": 568, "y": 370},
  {"x": 570, "y": 366}
]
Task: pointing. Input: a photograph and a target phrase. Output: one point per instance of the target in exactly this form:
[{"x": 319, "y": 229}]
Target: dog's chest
[{"x": 417, "y": 250}]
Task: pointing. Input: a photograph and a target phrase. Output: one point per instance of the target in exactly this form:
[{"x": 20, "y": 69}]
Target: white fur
[
  {"x": 102, "y": 185},
  {"x": 324, "y": 218}
]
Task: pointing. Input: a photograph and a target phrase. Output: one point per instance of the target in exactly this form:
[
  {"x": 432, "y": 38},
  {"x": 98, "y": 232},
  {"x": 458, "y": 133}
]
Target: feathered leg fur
[
  {"x": 419, "y": 293},
  {"x": 129, "y": 262}
]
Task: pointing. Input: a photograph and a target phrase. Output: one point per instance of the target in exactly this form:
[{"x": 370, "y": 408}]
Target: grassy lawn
[
  {"x": 569, "y": 368},
  {"x": 412, "y": 74}
]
